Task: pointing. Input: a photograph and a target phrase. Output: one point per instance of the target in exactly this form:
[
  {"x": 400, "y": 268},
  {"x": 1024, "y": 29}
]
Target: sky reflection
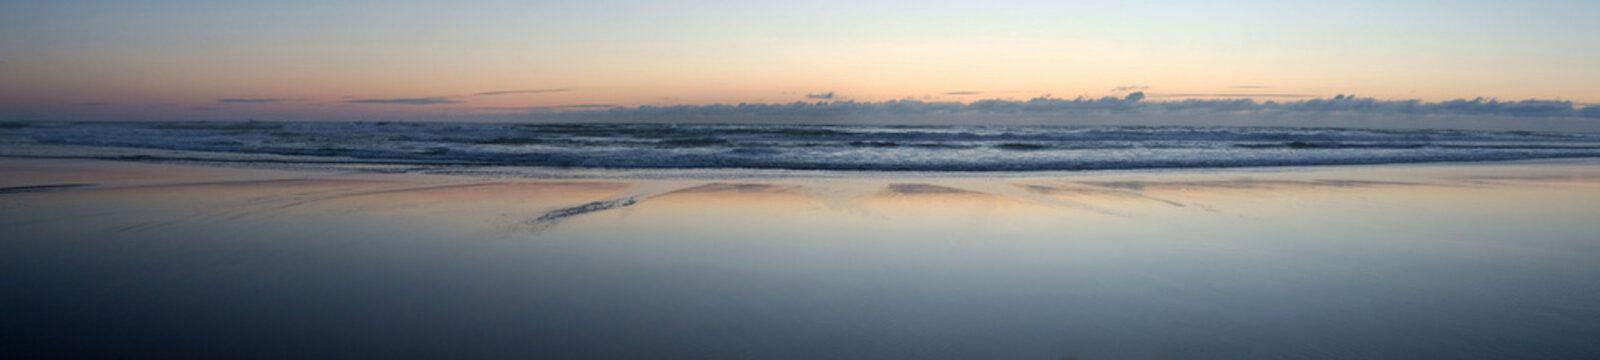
[{"x": 1459, "y": 261}]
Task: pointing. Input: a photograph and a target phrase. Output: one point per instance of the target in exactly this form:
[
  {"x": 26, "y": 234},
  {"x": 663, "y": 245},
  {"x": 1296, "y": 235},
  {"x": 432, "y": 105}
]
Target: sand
[{"x": 1483, "y": 260}]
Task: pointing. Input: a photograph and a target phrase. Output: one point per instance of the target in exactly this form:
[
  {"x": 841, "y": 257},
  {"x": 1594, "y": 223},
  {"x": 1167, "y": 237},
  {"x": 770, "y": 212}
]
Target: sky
[{"x": 475, "y": 60}]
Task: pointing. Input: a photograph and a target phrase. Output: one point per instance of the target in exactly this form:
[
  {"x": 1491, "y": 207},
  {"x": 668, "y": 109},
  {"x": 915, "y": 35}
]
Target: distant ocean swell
[{"x": 800, "y": 147}]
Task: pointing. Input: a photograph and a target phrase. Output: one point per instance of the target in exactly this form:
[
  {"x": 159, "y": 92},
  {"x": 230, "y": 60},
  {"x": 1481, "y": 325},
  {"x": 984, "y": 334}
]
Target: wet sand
[{"x": 124, "y": 259}]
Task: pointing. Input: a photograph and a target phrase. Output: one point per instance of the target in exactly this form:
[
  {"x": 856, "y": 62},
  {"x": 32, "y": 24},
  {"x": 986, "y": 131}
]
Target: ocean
[{"x": 781, "y": 147}]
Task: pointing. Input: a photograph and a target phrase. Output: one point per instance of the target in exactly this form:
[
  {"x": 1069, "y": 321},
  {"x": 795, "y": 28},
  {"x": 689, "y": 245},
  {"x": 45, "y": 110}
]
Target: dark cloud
[
  {"x": 822, "y": 96},
  {"x": 1133, "y": 109},
  {"x": 1130, "y": 88},
  {"x": 1233, "y": 95},
  {"x": 161, "y": 106},
  {"x": 204, "y": 108},
  {"x": 1592, "y": 112},
  {"x": 964, "y": 93},
  {"x": 1525, "y": 108},
  {"x": 248, "y": 101},
  {"x": 407, "y": 101},
  {"x": 530, "y": 91},
  {"x": 91, "y": 104}
]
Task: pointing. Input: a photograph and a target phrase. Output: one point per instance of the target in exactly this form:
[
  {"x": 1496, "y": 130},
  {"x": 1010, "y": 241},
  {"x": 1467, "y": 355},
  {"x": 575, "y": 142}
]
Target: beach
[
  {"x": 1449, "y": 260},
  {"x": 799, "y": 180}
]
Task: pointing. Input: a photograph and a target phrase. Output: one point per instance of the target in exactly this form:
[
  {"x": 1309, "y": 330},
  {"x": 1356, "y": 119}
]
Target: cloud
[
  {"x": 964, "y": 93},
  {"x": 1592, "y": 112},
  {"x": 248, "y": 101},
  {"x": 161, "y": 106},
  {"x": 530, "y": 91},
  {"x": 1232, "y": 95},
  {"x": 550, "y": 109},
  {"x": 407, "y": 101},
  {"x": 822, "y": 96},
  {"x": 1133, "y": 109},
  {"x": 1130, "y": 88},
  {"x": 204, "y": 108},
  {"x": 91, "y": 104}
]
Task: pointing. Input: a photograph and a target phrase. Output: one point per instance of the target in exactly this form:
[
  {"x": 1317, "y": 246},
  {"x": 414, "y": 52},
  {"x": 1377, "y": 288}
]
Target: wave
[{"x": 799, "y": 147}]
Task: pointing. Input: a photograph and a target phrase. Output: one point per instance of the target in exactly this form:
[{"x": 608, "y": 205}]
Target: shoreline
[{"x": 527, "y": 172}]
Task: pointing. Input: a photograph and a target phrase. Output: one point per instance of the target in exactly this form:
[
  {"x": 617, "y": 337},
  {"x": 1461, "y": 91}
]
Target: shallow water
[{"x": 1443, "y": 261}]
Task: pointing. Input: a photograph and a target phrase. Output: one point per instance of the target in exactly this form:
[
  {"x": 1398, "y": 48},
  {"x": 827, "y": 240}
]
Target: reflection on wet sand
[
  {"x": 927, "y": 189},
  {"x": 534, "y": 205},
  {"x": 37, "y": 188}
]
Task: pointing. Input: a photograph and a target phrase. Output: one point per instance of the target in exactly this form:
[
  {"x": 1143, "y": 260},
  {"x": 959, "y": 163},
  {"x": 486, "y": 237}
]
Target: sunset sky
[{"x": 315, "y": 60}]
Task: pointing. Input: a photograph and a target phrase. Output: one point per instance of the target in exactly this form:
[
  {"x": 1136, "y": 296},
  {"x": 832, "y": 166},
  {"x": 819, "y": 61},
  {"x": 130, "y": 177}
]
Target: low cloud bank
[{"x": 1342, "y": 110}]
